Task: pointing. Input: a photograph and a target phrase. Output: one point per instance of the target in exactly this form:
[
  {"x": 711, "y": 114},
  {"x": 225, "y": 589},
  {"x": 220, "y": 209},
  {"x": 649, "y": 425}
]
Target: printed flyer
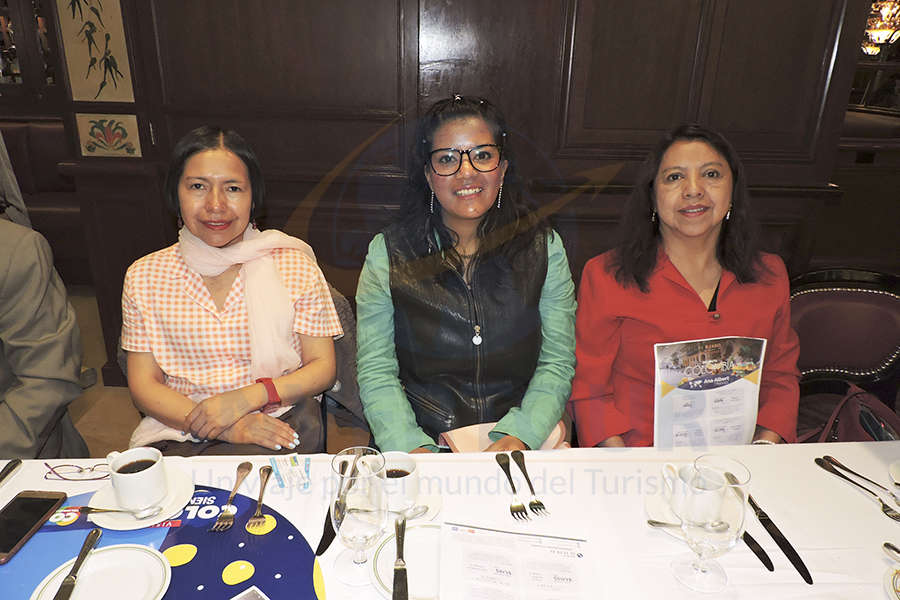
[{"x": 707, "y": 391}]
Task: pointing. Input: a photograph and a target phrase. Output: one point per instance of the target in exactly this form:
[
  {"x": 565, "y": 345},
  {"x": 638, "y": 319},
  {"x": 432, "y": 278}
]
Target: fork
[
  {"x": 258, "y": 519},
  {"x": 887, "y": 510},
  {"x": 536, "y": 506},
  {"x": 840, "y": 465},
  {"x": 516, "y": 508},
  {"x": 226, "y": 517}
]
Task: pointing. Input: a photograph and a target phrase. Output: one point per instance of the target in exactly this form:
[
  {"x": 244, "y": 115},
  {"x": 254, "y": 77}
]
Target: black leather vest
[{"x": 450, "y": 380}]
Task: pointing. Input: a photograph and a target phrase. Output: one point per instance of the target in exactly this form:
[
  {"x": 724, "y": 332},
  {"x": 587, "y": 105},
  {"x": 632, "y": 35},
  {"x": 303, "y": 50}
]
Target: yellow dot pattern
[
  {"x": 181, "y": 554},
  {"x": 237, "y": 572}
]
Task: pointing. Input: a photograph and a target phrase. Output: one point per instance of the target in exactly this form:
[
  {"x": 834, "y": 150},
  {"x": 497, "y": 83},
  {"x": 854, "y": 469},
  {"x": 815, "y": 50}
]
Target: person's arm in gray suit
[{"x": 41, "y": 351}]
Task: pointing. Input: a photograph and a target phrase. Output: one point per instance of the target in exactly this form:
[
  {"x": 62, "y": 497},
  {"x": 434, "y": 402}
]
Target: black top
[
  {"x": 466, "y": 352},
  {"x": 715, "y": 297}
]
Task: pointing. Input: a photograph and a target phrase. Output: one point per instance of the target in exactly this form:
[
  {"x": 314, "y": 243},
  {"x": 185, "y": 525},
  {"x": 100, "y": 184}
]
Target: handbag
[{"x": 859, "y": 416}]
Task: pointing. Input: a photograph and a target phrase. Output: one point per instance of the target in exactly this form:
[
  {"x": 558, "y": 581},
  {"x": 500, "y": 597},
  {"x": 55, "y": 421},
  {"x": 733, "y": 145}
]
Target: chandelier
[{"x": 882, "y": 26}]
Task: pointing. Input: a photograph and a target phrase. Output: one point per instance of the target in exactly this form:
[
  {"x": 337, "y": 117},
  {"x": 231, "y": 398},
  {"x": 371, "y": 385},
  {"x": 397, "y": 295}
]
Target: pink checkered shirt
[{"x": 167, "y": 310}]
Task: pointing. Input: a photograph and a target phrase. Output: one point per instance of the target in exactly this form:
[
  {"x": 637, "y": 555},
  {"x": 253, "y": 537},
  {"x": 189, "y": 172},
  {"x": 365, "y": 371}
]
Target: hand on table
[
  {"x": 213, "y": 415},
  {"x": 420, "y": 450},
  {"x": 263, "y": 430},
  {"x": 614, "y": 441},
  {"x": 507, "y": 443}
]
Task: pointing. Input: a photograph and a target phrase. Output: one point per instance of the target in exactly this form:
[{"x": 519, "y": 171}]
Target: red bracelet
[{"x": 274, "y": 402}]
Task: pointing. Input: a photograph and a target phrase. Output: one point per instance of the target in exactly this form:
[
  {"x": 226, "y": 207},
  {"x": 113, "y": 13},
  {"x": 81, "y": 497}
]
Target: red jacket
[{"x": 616, "y": 327}]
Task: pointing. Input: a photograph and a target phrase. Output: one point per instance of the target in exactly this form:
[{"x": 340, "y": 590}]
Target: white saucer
[
  {"x": 181, "y": 489},
  {"x": 421, "y": 550},
  {"x": 892, "y": 592},
  {"x": 123, "y": 571}
]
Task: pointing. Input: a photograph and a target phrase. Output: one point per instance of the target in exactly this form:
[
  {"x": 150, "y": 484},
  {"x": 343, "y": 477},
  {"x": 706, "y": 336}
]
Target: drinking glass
[
  {"x": 358, "y": 509},
  {"x": 711, "y": 505}
]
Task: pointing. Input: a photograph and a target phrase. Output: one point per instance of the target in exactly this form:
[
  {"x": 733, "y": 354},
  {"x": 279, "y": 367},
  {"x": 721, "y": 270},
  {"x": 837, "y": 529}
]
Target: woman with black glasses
[{"x": 465, "y": 304}]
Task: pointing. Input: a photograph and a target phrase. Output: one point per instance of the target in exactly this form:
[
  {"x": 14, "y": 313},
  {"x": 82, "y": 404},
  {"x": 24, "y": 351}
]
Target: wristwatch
[{"x": 274, "y": 402}]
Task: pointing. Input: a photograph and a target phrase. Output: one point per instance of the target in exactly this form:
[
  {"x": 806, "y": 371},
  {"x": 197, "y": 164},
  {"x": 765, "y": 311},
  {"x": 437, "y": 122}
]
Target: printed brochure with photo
[{"x": 706, "y": 391}]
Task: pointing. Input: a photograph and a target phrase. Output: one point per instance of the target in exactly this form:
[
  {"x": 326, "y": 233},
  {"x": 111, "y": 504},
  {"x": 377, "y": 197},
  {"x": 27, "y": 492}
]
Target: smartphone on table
[{"x": 23, "y": 516}]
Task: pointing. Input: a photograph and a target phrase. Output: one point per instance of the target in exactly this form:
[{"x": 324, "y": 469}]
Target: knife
[
  {"x": 68, "y": 584},
  {"x": 400, "y": 589},
  {"x": 10, "y": 467},
  {"x": 758, "y": 551},
  {"x": 328, "y": 528},
  {"x": 782, "y": 541}
]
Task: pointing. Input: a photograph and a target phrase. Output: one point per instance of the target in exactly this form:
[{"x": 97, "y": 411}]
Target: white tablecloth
[{"x": 599, "y": 494}]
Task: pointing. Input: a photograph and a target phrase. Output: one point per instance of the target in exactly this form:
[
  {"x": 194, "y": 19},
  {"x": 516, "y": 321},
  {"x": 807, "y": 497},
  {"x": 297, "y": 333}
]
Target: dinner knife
[
  {"x": 758, "y": 551},
  {"x": 10, "y": 467},
  {"x": 328, "y": 528},
  {"x": 782, "y": 541},
  {"x": 400, "y": 589},
  {"x": 68, "y": 584}
]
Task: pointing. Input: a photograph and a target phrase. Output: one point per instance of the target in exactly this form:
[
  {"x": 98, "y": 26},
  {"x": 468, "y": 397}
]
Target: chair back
[{"x": 848, "y": 322}]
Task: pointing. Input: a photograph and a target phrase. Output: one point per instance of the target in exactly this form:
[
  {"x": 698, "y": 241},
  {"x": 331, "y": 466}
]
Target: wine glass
[
  {"x": 358, "y": 509},
  {"x": 711, "y": 506}
]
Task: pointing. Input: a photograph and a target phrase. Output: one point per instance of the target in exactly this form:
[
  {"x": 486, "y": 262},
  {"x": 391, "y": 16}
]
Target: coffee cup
[
  {"x": 401, "y": 482},
  {"x": 138, "y": 477}
]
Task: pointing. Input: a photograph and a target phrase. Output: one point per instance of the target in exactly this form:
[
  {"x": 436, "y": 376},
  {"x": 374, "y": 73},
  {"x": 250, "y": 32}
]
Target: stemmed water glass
[
  {"x": 711, "y": 501},
  {"x": 358, "y": 509}
]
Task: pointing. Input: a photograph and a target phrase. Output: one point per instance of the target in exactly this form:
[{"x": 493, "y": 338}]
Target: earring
[
  {"x": 431, "y": 207},
  {"x": 180, "y": 222},
  {"x": 728, "y": 214},
  {"x": 653, "y": 216},
  {"x": 499, "y": 193}
]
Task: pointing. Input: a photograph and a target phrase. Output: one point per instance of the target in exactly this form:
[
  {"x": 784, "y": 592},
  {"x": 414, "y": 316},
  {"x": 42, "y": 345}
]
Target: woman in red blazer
[{"x": 687, "y": 268}]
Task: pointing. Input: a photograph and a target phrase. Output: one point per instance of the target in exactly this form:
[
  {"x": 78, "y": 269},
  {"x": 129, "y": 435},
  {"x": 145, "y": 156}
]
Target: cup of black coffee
[
  {"x": 402, "y": 483},
  {"x": 138, "y": 477}
]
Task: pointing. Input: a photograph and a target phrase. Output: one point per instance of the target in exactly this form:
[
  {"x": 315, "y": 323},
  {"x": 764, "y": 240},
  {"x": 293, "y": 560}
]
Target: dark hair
[
  {"x": 209, "y": 138},
  {"x": 635, "y": 257},
  {"x": 507, "y": 229}
]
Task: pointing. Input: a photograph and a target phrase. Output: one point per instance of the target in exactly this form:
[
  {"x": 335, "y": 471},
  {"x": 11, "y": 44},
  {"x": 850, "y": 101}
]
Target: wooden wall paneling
[
  {"x": 235, "y": 55},
  {"x": 324, "y": 93},
  {"x": 775, "y": 80},
  {"x": 308, "y": 147},
  {"x": 789, "y": 219},
  {"x": 125, "y": 218},
  {"x": 860, "y": 230},
  {"x": 633, "y": 68},
  {"x": 588, "y": 224},
  {"x": 338, "y": 221},
  {"x": 511, "y": 56}
]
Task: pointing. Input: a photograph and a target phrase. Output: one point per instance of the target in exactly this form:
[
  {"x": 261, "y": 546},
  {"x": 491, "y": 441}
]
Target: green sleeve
[
  {"x": 549, "y": 388},
  {"x": 387, "y": 410}
]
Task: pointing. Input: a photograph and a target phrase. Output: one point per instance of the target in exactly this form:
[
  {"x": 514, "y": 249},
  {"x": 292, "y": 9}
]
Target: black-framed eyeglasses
[
  {"x": 448, "y": 161},
  {"x": 77, "y": 473}
]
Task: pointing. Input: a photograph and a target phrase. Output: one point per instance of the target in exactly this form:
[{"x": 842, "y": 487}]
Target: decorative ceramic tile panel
[{"x": 108, "y": 135}]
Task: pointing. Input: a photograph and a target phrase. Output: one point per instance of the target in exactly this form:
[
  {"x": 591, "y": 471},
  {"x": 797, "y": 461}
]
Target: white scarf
[{"x": 269, "y": 309}]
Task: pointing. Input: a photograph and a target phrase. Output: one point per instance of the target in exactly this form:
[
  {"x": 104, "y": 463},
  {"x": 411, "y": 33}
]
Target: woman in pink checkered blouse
[{"x": 229, "y": 331}]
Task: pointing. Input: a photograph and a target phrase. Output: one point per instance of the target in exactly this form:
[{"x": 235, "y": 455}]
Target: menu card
[
  {"x": 707, "y": 391},
  {"x": 489, "y": 564}
]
